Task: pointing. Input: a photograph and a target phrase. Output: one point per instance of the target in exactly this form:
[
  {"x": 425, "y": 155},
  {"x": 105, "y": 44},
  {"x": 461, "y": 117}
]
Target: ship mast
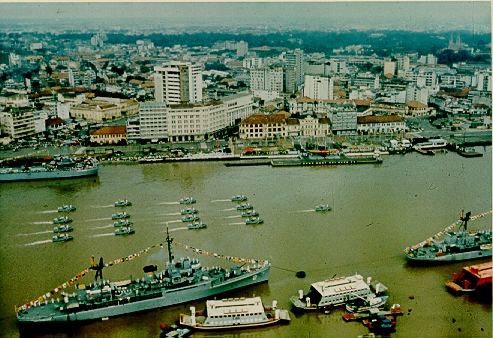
[{"x": 169, "y": 240}]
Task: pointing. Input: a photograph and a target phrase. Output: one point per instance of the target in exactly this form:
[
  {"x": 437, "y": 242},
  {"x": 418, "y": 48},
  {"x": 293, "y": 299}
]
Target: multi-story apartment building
[
  {"x": 296, "y": 59},
  {"x": 152, "y": 124},
  {"x": 344, "y": 122},
  {"x": 290, "y": 85},
  {"x": 318, "y": 87},
  {"x": 178, "y": 83},
  {"x": 366, "y": 80},
  {"x": 18, "y": 122},
  {"x": 380, "y": 124},
  {"x": 267, "y": 78}
]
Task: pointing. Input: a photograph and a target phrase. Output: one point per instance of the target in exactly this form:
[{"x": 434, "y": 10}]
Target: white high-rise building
[
  {"x": 241, "y": 48},
  {"x": 296, "y": 59},
  {"x": 178, "y": 82},
  {"x": 267, "y": 78},
  {"x": 318, "y": 87}
]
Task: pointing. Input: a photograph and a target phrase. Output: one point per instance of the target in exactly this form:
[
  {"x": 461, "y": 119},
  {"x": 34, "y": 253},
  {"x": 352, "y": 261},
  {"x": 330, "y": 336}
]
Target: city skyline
[{"x": 435, "y": 15}]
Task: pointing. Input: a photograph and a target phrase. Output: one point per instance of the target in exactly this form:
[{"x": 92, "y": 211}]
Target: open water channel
[{"x": 378, "y": 210}]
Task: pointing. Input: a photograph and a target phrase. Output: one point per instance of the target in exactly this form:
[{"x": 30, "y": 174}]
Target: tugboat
[
  {"x": 250, "y": 213},
  {"x": 62, "y": 228},
  {"x": 239, "y": 198},
  {"x": 235, "y": 313},
  {"x": 456, "y": 245},
  {"x": 323, "y": 207},
  {"x": 62, "y": 238},
  {"x": 66, "y": 208},
  {"x": 122, "y": 223},
  {"x": 187, "y": 200},
  {"x": 190, "y": 218},
  {"x": 197, "y": 225},
  {"x": 124, "y": 231},
  {"x": 123, "y": 203},
  {"x": 182, "y": 281},
  {"x": 244, "y": 206},
  {"x": 472, "y": 278},
  {"x": 62, "y": 220},
  {"x": 189, "y": 211},
  {"x": 120, "y": 215}
]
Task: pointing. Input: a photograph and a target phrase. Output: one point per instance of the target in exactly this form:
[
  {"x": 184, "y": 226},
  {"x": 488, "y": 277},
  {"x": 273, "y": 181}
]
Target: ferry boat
[
  {"x": 234, "y": 313},
  {"x": 58, "y": 168},
  {"x": 436, "y": 143},
  {"x": 472, "y": 278},
  {"x": 333, "y": 292},
  {"x": 181, "y": 281}
]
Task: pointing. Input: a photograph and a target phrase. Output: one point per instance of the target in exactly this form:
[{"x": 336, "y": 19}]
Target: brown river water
[{"x": 378, "y": 210}]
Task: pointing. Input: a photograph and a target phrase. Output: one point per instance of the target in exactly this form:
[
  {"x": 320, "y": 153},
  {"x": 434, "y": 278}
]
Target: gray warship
[{"x": 180, "y": 282}]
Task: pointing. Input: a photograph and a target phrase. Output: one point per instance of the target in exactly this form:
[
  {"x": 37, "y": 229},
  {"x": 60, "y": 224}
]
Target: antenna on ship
[
  {"x": 169, "y": 240},
  {"x": 465, "y": 219},
  {"x": 98, "y": 267}
]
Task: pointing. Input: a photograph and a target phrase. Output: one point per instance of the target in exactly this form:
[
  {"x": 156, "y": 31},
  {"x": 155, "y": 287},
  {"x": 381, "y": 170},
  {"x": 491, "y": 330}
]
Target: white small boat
[
  {"x": 67, "y": 208},
  {"x": 123, "y": 203},
  {"x": 323, "y": 207},
  {"x": 187, "y": 200},
  {"x": 120, "y": 215},
  {"x": 239, "y": 198},
  {"x": 197, "y": 225}
]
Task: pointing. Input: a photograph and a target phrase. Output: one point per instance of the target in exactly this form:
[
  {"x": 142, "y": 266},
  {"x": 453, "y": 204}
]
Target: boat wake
[
  {"x": 36, "y": 233},
  {"x": 213, "y": 201},
  {"x": 310, "y": 210},
  {"x": 38, "y": 242},
  {"x": 176, "y": 229},
  {"x": 171, "y": 214},
  {"x": 98, "y": 219},
  {"x": 169, "y": 203},
  {"x": 229, "y": 209},
  {"x": 236, "y": 216},
  {"x": 103, "y": 206},
  {"x": 175, "y": 221},
  {"x": 102, "y": 235},
  {"x": 105, "y": 227},
  {"x": 48, "y": 212},
  {"x": 236, "y": 223},
  {"x": 42, "y": 222}
]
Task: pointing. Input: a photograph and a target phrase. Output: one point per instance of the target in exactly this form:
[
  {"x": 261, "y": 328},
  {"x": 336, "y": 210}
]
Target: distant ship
[
  {"x": 332, "y": 158},
  {"x": 180, "y": 282},
  {"x": 456, "y": 246},
  {"x": 59, "y": 167}
]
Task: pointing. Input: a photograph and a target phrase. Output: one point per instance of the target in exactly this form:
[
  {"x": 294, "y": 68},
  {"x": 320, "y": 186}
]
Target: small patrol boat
[
  {"x": 323, "y": 207},
  {"x": 120, "y": 215},
  {"x": 123, "y": 223},
  {"x": 66, "y": 208},
  {"x": 190, "y": 218},
  {"x": 62, "y": 228},
  {"x": 239, "y": 198},
  {"x": 62, "y": 238},
  {"x": 174, "y": 331},
  {"x": 364, "y": 304},
  {"x": 254, "y": 221},
  {"x": 187, "y": 200},
  {"x": 189, "y": 211},
  {"x": 244, "y": 206},
  {"x": 123, "y": 203},
  {"x": 197, "y": 225},
  {"x": 62, "y": 220},
  {"x": 250, "y": 213},
  {"x": 124, "y": 231},
  {"x": 234, "y": 313}
]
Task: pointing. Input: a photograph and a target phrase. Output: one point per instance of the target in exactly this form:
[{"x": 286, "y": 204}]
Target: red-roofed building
[
  {"x": 55, "y": 123},
  {"x": 381, "y": 124},
  {"x": 109, "y": 135},
  {"x": 416, "y": 109}
]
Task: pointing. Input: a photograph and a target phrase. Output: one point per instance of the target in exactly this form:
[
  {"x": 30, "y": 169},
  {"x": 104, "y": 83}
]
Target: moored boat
[
  {"x": 124, "y": 231},
  {"x": 244, "y": 206},
  {"x": 187, "y": 200},
  {"x": 123, "y": 203},
  {"x": 62, "y": 220},
  {"x": 120, "y": 215},
  {"x": 323, "y": 207},
  {"x": 472, "y": 278},
  {"x": 234, "y": 313},
  {"x": 174, "y": 331},
  {"x": 67, "y": 208},
  {"x": 190, "y": 218},
  {"x": 62, "y": 238},
  {"x": 366, "y": 303},
  {"x": 62, "y": 228},
  {"x": 183, "y": 280},
  {"x": 468, "y": 152},
  {"x": 197, "y": 225},
  {"x": 123, "y": 223}
]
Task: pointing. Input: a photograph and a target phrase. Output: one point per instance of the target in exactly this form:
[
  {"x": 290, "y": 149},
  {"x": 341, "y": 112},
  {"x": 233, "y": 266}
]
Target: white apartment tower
[
  {"x": 296, "y": 59},
  {"x": 178, "y": 82},
  {"x": 267, "y": 78},
  {"x": 318, "y": 87}
]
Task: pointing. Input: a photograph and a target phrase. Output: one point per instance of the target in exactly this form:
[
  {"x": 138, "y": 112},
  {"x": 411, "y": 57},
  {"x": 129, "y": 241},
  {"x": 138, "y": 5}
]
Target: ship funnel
[
  {"x": 278, "y": 313},
  {"x": 368, "y": 280},
  {"x": 300, "y": 293},
  {"x": 192, "y": 317},
  {"x": 377, "y": 288},
  {"x": 274, "y": 304},
  {"x": 308, "y": 303}
]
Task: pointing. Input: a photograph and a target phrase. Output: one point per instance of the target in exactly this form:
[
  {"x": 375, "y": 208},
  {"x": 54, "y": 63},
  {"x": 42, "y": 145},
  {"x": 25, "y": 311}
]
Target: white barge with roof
[
  {"x": 335, "y": 292},
  {"x": 234, "y": 313}
]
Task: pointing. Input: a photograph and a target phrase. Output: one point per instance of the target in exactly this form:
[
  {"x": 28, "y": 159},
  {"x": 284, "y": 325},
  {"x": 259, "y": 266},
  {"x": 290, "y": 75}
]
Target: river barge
[{"x": 330, "y": 159}]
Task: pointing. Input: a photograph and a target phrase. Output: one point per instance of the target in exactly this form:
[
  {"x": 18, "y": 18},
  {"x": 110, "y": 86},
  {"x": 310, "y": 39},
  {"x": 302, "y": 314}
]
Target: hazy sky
[{"x": 406, "y": 13}]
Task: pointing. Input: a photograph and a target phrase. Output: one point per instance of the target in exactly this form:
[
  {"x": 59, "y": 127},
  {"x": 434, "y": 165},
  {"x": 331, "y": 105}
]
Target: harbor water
[{"x": 377, "y": 211}]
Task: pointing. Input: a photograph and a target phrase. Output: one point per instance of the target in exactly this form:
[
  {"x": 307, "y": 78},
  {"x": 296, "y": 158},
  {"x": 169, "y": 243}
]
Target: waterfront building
[
  {"x": 109, "y": 135},
  {"x": 381, "y": 124},
  {"x": 344, "y": 121},
  {"x": 318, "y": 87},
  {"x": 97, "y": 112},
  {"x": 18, "y": 122},
  {"x": 152, "y": 122},
  {"x": 261, "y": 126},
  {"x": 178, "y": 82},
  {"x": 313, "y": 127}
]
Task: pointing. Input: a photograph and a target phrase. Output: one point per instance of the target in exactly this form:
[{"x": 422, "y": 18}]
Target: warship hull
[{"x": 47, "y": 175}]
